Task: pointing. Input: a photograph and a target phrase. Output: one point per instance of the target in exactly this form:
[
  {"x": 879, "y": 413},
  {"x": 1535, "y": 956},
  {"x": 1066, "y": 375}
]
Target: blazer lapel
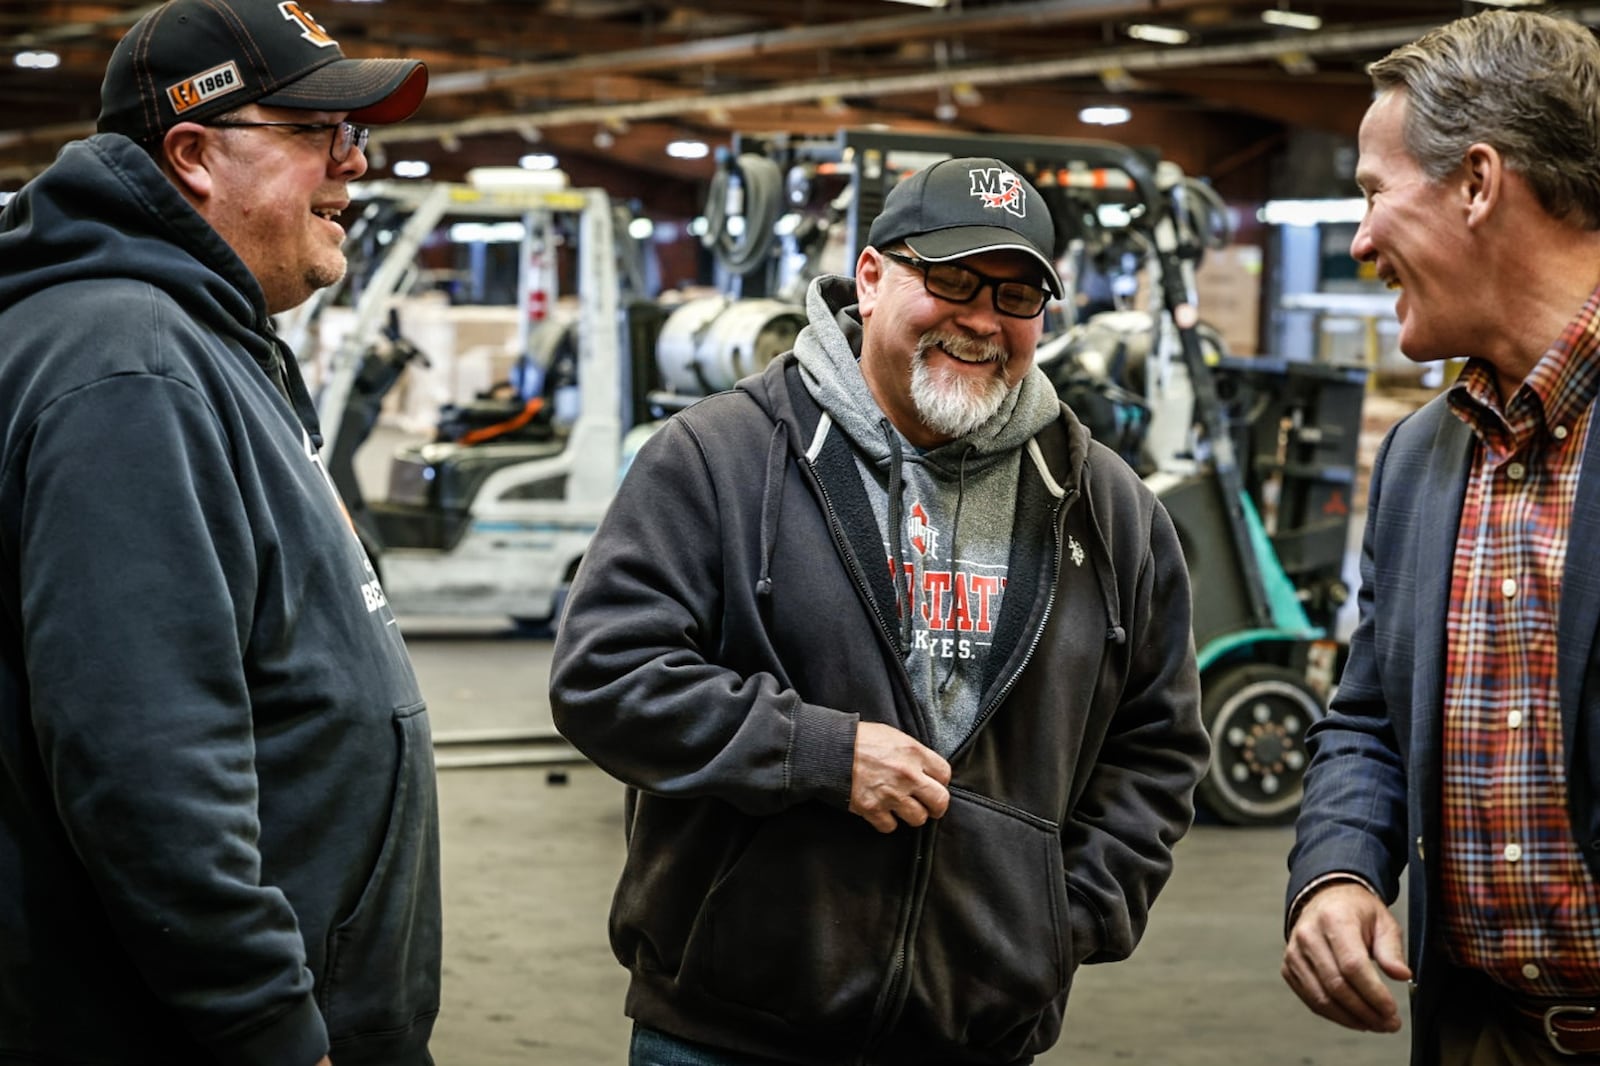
[
  {"x": 1580, "y": 603},
  {"x": 1442, "y": 492}
]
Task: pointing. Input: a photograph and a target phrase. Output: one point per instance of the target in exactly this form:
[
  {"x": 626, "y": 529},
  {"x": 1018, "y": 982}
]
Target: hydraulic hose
[{"x": 762, "y": 184}]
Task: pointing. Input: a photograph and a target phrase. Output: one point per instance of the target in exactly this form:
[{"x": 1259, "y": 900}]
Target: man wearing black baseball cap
[
  {"x": 218, "y": 825},
  {"x": 889, "y": 584}
]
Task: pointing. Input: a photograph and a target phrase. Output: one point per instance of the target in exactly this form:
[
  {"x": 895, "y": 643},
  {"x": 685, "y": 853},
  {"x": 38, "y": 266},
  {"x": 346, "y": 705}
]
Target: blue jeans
[{"x": 651, "y": 1047}]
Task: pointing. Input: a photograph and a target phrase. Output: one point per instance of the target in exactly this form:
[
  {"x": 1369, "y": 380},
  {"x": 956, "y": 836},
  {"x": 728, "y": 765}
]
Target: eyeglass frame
[
  {"x": 355, "y": 139},
  {"x": 985, "y": 281}
]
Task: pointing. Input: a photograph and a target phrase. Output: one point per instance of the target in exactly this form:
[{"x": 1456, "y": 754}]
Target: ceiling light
[
  {"x": 1104, "y": 116},
  {"x": 1144, "y": 31},
  {"x": 37, "y": 60},
  {"x": 1297, "y": 63},
  {"x": 604, "y": 138},
  {"x": 1311, "y": 212},
  {"x": 411, "y": 168},
  {"x": 505, "y": 232},
  {"x": 966, "y": 94},
  {"x": 688, "y": 149},
  {"x": 1294, "y": 20},
  {"x": 515, "y": 178},
  {"x": 538, "y": 161},
  {"x": 641, "y": 229}
]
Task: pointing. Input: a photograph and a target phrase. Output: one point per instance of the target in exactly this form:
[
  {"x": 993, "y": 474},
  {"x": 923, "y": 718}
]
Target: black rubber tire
[{"x": 1257, "y": 716}]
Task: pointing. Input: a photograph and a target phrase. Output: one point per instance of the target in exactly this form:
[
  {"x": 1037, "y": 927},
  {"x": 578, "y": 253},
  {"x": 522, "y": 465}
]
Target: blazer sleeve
[{"x": 1353, "y": 815}]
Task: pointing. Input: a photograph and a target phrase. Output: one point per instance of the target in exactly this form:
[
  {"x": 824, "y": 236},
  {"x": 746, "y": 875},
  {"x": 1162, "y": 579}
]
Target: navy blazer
[{"x": 1372, "y": 793}]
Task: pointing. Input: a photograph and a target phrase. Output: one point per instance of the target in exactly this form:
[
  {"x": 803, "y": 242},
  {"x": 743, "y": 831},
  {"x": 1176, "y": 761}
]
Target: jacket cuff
[
  {"x": 1305, "y": 894},
  {"x": 822, "y": 754},
  {"x": 297, "y": 1037}
]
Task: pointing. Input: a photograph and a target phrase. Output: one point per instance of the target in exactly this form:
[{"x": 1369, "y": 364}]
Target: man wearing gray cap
[
  {"x": 896, "y": 663},
  {"x": 218, "y": 827}
]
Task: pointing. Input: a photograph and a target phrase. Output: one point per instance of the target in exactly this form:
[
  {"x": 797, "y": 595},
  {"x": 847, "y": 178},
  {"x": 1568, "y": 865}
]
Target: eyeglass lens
[
  {"x": 951, "y": 282},
  {"x": 348, "y": 135}
]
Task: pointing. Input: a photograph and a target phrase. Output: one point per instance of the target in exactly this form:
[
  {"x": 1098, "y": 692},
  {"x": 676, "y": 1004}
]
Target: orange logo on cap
[
  {"x": 207, "y": 85},
  {"x": 308, "y": 25}
]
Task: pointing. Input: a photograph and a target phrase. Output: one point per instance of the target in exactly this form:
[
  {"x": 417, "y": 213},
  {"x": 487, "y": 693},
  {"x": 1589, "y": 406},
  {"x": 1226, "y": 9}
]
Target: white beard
[{"x": 947, "y": 402}]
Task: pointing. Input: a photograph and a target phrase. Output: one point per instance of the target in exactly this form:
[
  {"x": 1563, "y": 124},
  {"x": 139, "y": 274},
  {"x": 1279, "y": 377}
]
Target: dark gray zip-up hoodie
[
  {"x": 218, "y": 826},
  {"x": 730, "y": 625}
]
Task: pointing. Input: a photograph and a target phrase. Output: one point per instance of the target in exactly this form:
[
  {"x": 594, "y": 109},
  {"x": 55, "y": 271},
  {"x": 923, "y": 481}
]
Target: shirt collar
[{"x": 1556, "y": 392}]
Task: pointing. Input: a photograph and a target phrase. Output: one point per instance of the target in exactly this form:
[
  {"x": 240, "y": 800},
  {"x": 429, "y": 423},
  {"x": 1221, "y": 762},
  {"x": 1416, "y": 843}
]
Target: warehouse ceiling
[{"x": 606, "y": 85}]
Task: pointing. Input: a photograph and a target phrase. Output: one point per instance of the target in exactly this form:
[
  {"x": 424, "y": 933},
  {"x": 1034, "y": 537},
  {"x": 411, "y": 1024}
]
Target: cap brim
[
  {"x": 375, "y": 92},
  {"x": 957, "y": 242}
]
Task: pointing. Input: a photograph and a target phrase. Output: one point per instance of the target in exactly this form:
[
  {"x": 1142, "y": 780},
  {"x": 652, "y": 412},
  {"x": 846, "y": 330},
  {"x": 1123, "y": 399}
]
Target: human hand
[
  {"x": 895, "y": 776},
  {"x": 1342, "y": 931}
]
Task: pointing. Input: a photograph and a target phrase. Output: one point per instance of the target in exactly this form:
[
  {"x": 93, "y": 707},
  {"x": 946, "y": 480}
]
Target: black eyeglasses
[
  {"x": 959, "y": 284},
  {"x": 346, "y": 135}
]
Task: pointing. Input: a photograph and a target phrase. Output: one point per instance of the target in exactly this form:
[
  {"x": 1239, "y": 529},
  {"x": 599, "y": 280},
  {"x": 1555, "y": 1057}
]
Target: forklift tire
[{"x": 1257, "y": 716}]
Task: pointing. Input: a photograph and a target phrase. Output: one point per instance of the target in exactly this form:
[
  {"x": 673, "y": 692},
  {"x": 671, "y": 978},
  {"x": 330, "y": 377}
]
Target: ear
[
  {"x": 1483, "y": 184},
  {"x": 869, "y": 279},
  {"x": 184, "y": 152}
]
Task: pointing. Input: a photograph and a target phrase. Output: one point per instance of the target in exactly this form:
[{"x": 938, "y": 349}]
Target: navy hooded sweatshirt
[{"x": 218, "y": 823}]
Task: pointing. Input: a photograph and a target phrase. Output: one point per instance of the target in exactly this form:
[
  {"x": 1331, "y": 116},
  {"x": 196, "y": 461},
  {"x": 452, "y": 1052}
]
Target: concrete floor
[{"x": 531, "y": 855}]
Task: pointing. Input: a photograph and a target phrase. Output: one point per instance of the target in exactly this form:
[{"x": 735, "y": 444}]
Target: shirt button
[
  {"x": 1531, "y": 972},
  {"x": 1508, "y": 587},
  {"x": 1512, "y": 852},
  {"x": 1514, "y": 719},
  {"x": 1516, "y": 471},
  {"x": 1560, "y": 432}
]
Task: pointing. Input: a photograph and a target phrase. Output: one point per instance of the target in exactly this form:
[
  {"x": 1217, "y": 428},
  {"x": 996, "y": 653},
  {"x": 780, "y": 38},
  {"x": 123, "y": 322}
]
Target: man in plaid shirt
[{"x": 1465, "y": 737}]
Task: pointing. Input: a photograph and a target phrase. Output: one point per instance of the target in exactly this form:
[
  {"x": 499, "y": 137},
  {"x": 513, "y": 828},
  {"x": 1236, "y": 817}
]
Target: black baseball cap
[
  {"x": 961, "y": 207},
  {"x": 190, "y": 60}
]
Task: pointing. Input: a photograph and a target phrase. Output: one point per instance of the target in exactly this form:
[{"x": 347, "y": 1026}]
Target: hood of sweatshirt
[{"x": 104, "y": 210}]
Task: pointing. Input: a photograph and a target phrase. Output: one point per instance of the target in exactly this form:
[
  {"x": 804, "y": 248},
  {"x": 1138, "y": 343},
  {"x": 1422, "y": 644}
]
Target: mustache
[{"x": 966, "y": 348}]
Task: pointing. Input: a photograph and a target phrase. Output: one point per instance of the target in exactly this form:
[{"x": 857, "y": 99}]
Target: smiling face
[
  {"x": 939, "y": 369},
  {"x": 1415, "y": 234},
  {"x": 275, "y": 195}
]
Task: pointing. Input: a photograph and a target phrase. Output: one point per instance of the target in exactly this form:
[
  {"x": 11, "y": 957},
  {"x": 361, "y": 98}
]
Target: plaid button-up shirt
[{"x": 1519, "y": 902}]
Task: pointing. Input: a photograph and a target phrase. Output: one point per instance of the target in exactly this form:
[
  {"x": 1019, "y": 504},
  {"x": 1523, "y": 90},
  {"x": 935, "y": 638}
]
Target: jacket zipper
[
  {"x": 893, "y": 991},
  {"x": 896, "y": 985},
  {"x": 899, "y": 980}
]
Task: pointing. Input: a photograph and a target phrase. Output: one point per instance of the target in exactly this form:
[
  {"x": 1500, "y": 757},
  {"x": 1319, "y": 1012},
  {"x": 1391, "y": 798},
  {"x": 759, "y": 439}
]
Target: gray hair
[{"x": 1525, "y": 83}]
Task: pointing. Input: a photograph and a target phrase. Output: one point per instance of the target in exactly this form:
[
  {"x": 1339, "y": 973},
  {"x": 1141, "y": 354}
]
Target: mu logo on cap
[
  {"x": 999, "y": 188},
  {"x": 309, "y": 29}
]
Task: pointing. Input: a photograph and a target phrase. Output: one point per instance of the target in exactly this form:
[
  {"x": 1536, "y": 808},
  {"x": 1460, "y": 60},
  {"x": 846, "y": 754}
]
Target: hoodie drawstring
[
  {"x": 772, "y": 505},
  {"x": 955, "y": 531},
  {"x": 896, "y": 520},
  {"x": 1100, "y": 559}
]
